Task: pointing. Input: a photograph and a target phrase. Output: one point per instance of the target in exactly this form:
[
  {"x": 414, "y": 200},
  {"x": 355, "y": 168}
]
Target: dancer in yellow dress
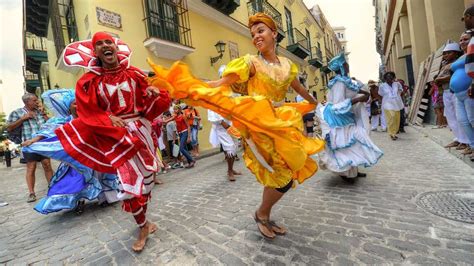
[{"x": 276, "y": 150}]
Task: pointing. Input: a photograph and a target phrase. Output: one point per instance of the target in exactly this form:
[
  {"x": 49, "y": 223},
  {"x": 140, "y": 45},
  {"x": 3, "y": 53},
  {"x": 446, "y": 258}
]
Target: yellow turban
[{"x": 262, "y": 18}]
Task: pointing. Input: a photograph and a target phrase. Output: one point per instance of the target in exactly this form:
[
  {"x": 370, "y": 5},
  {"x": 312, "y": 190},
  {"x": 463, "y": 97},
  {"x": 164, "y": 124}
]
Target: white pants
[
  {"x": 449, "y": 100},
  {"x": 378, "y": 119}
]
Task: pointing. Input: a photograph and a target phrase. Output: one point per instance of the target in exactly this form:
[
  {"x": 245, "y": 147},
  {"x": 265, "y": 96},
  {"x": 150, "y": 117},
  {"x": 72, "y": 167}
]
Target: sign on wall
[
  {"x": 233, "y": 50},
  {"x": 108, "y": 18}
]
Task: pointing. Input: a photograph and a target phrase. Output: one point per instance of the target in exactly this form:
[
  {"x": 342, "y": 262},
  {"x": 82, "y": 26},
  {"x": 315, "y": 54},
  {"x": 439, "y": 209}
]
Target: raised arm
[{"x": 296, "y": 85}]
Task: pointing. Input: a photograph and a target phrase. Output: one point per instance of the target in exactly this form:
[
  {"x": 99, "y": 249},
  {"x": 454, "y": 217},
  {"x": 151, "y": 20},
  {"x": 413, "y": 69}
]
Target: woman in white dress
[{"x": 348, "y": 144}]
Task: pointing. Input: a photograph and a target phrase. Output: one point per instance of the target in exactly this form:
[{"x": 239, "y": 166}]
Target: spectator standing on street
[
  {"x": 392, "y": 103},
  {"x": 183, "y": 130},
  {"x": 219, "y": 136},
  {"x": 172, "y": 136},
  {"x": 30, "y": 119},
  {"x": 376, "y": 115},
  {"x": 451, "y": 53},
  {"x": 467, "y": 98},
  {"x": 156, "y": 128},
  {"x": 437, "y": 102},
  {"x": 460, "y": 84},
  {"x": 194, "y": 121},
  {"x": 404, "y": 95}
]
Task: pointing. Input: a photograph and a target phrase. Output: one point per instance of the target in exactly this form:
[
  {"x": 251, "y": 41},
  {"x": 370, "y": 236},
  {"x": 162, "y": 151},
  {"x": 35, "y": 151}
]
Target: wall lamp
[
  {"x": 316, "y": 81},
  {"x": 220, "y": 47}
]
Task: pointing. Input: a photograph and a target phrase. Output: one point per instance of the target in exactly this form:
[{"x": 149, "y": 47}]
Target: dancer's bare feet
[
  {"x": 230, "y": 176},
  {"x": 149, "y": 228},
  {"x": 236, "y": 173},
  {"x": 157, "y": 181},
  {"x": 152, "y": 228}
]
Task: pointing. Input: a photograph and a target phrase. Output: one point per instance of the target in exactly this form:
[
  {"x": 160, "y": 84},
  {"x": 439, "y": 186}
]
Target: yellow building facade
[
  {"x": 330, "y": 44},
  {"x": 166, "y": 31}
]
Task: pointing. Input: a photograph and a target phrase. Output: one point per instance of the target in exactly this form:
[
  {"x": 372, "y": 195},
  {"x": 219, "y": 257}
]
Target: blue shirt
[{"x": 460, "y": 81}]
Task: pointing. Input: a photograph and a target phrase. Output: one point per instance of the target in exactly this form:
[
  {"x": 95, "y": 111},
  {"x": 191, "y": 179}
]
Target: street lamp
[
  {"x": 316, "y": 81},
  {"x": 220, "y": 47},
  {"x": 304, "y": 75}
]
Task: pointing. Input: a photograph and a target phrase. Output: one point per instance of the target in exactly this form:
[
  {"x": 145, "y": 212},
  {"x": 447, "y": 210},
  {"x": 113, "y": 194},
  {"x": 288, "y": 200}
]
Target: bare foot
[
  {"x": 230, "y": 176},
  {"x": 142, "y": 237},
  {"x": 236, "y": 173},
  {"x": 158, "y": 182},
  {"x": 152, "y": 228}
]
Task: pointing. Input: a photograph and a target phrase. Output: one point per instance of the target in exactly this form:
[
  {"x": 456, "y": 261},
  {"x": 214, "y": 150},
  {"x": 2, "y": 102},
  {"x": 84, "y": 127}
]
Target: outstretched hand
[{"x": 152, "y": 90}]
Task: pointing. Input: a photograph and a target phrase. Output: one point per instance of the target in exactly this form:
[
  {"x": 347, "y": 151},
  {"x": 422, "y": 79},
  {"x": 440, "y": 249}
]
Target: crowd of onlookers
[
  {"x": 177, "y": 132},
  {"x": 452, "y": 92}
]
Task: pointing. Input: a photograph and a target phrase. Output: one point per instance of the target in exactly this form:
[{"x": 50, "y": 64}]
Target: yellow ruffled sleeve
[
  {"x": 239, "y": 66},
  {"x": 293, "y": 71}
]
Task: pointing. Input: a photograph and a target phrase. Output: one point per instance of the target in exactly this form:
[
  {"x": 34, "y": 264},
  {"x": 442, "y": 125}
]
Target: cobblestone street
[{"x": 204, "y": 219}]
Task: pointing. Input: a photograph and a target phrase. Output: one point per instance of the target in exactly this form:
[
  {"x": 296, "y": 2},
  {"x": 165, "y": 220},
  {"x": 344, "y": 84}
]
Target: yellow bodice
[{"x": 270, "y": 80}]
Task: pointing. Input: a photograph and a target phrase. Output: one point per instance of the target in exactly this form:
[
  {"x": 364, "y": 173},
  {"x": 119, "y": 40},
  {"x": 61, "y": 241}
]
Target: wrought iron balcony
[
  {"x": 36, "y": 16},
  {"x": 316, "y": 57},
  {"x": 32, "y": 80},
  {"x": 168, "y": 29},
  {"x": 35, "y": 52},
  {"x": 263, "y": 6},
  {"x": 297, "y": 43},
  {"x": 225, "y": 6}
]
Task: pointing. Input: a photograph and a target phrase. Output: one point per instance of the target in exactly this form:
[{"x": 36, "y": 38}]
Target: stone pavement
[{"x": 205, "y": 220}]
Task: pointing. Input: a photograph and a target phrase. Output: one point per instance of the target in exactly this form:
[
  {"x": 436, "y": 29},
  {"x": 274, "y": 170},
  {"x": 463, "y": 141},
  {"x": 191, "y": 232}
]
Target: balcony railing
[
  {"x": 31, "y": 76},
  {"x": 297, "y": 43},
  {"x": 225, "y": 6},
  {"x": 33, "y": 42},
  {"x": 263, "y": 6},
  {"x": 168, "y": 21},
  {"x": 316, "y": 57}
]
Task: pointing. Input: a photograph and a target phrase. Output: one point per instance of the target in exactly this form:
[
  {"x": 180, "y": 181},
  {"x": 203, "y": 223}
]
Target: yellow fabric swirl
[{"x": 277, "y": 132}]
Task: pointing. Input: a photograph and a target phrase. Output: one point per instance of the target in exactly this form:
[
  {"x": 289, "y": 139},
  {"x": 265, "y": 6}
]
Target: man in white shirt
[
  {"x": 392, "y": 103},
  {"x": 220, "y": 136}
]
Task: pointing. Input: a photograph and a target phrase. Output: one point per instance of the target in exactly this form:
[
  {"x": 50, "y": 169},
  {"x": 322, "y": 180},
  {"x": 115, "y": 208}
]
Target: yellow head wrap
[{"x": 262, "y": 18}]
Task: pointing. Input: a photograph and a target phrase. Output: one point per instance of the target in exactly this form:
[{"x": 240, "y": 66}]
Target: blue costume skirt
[{"x": 72, "y": 180}]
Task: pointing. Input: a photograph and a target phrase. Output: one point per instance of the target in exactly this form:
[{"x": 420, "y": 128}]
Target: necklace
[{"x": 269, "y": 63}]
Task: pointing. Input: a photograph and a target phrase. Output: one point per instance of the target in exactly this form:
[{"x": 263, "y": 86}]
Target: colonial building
[
  {"x": 204, "y": 34},
  {"x": 408, "y": 31},
  {"x": 341, "y": 37},
  {"x": 331, "y": 46}
]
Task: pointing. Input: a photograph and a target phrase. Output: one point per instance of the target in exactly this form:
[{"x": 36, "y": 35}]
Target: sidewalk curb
[
  {"x": 208, "y": 153},
  {"x": 453, "y": 152}
]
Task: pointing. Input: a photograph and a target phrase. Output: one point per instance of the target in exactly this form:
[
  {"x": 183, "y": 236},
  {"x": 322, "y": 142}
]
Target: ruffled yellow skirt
[{"x": 276, "y": 132}]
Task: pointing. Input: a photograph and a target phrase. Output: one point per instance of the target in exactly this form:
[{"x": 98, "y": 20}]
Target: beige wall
[
  {"x": 420, "y": 27},
  {"x": 443, "y": 20},
  {"x": 404, "y": 32},
  {"x": 418, "y": 32},
  {"x": 468, "y": 3}
]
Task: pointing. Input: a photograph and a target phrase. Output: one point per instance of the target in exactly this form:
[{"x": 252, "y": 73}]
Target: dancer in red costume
[{"x": 115, "y": 105}]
